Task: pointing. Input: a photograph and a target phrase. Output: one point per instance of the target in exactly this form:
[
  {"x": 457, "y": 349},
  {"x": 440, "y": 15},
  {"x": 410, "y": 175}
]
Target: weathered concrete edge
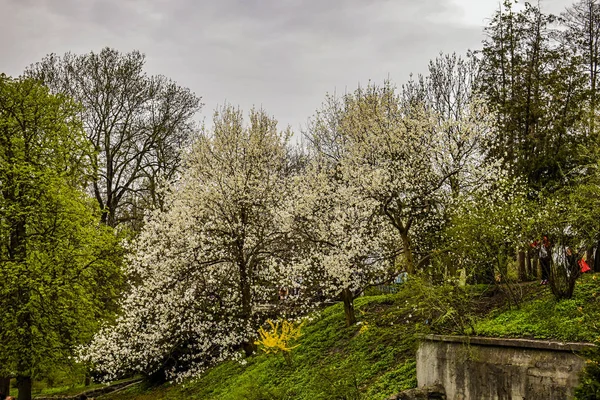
[{"x": 510, "y": 342}]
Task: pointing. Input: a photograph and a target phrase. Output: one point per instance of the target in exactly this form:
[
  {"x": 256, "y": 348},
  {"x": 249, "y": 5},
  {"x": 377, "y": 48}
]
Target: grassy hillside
[
  {"x": 541, "y": 317},
  {"x": 376, "y": 358}
]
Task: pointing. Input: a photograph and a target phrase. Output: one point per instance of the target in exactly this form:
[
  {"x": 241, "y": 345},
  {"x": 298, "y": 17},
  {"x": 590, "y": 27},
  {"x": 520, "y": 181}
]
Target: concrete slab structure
[{"x": 478, "y": 368}]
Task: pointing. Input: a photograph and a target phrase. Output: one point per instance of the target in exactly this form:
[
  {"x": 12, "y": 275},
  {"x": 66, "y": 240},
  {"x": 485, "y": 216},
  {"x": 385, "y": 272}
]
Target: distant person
[
  {"x": 571, "y": 258},
  {"x": 545, "y": 255},
  {"x": 583, "y": 265}
]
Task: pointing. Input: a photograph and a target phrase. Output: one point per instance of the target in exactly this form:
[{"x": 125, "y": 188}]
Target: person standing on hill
[{"x": 545, "y": 259}]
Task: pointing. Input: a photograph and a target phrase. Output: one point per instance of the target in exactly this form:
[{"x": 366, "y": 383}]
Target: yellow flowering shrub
[
  {"x": 279, "y": 337},
  {"x": 364, "y": 328}
]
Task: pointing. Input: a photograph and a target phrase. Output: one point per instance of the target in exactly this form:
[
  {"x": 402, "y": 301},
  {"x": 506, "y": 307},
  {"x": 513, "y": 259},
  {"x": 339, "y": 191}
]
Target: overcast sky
[{"x": 284, "y": 55}]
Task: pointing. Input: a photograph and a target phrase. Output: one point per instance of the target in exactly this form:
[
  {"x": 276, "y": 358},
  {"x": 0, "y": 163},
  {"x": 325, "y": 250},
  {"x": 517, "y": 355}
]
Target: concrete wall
[{"x": 476, "y": 368}]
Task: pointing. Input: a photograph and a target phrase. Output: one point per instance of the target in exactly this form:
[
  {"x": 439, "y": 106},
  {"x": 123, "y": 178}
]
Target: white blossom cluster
[
  {"x": 198, "y": 270},
  {"x": 405, "y": 159},
  {"x": 346, "y": 243}
]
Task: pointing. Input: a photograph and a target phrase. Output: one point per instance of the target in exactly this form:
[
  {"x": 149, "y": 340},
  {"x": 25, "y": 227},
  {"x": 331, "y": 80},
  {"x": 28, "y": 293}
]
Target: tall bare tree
[
  {"x": 462, "y": 122},
  {"x": 136, "y": 123}
]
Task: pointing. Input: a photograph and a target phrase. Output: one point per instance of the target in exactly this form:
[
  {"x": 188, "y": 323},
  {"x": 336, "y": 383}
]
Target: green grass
[
  {"x": 332, "y": 361},
  {"x": 576, "y": 319},
  {"x": 40, "y": 390}
]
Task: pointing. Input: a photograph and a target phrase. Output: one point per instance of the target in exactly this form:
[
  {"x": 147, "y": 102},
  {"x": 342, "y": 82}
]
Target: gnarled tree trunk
[
  {"x": 408, "y": 255},
  {"x": 348, "y": 299}
]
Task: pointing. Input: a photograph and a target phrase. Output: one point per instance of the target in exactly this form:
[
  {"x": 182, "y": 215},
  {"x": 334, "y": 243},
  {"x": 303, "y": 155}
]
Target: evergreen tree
[
  {"x": 530, "y": 81},
  {"x": 582, "y": 38}
]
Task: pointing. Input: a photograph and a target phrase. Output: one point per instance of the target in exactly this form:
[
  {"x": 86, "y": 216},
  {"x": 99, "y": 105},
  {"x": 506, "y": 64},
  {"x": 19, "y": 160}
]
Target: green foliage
[
  {"x": 589, "y": 384},
  {"x": 569, "y": 217},
  {"x": 59, "y": 269},
  {"x": 545, "y": 318},
  {"x": 533, "y": 85},
  {"x": 486, "y": 228}
]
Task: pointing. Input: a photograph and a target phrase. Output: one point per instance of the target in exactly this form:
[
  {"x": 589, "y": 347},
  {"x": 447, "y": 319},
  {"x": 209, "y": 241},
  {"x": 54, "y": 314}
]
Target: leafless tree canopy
[{"x": 138, "y": 125}]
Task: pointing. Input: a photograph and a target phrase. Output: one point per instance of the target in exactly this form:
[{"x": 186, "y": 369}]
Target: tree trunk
[
  {"x": 410, "y": 264},
  {"x": 529, "y": 265},
  {"x": 246, "y": 297},
  {"x": 17, "y": 252},
  {"x": 248, "y": 346},
  {"x": 536, "y": 267},
  {"x": 521, "y": 262},
  {"x": 589, "y": 256},
  {"x": 24, "y": 384},
  {"x": 348, "y": 299},
  {"x": 597, "y": 258},
  {"x": 5, "y": 385}
]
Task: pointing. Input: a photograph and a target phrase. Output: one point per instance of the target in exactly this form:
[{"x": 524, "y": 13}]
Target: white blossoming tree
[
  {"x": 199, "y": 269},
  {"x": 344, "y": 244},
  {"x": 462, "y": 122},
  {"x": 398, "y": 155}
]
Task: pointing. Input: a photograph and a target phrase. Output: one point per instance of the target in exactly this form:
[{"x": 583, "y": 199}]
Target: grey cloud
[{"x": 281, "y": 54}]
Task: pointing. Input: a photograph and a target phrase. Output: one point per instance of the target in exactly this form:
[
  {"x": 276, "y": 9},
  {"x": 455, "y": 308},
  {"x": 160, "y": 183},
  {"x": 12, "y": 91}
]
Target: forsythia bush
[{"x": 278, "y": 340}]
